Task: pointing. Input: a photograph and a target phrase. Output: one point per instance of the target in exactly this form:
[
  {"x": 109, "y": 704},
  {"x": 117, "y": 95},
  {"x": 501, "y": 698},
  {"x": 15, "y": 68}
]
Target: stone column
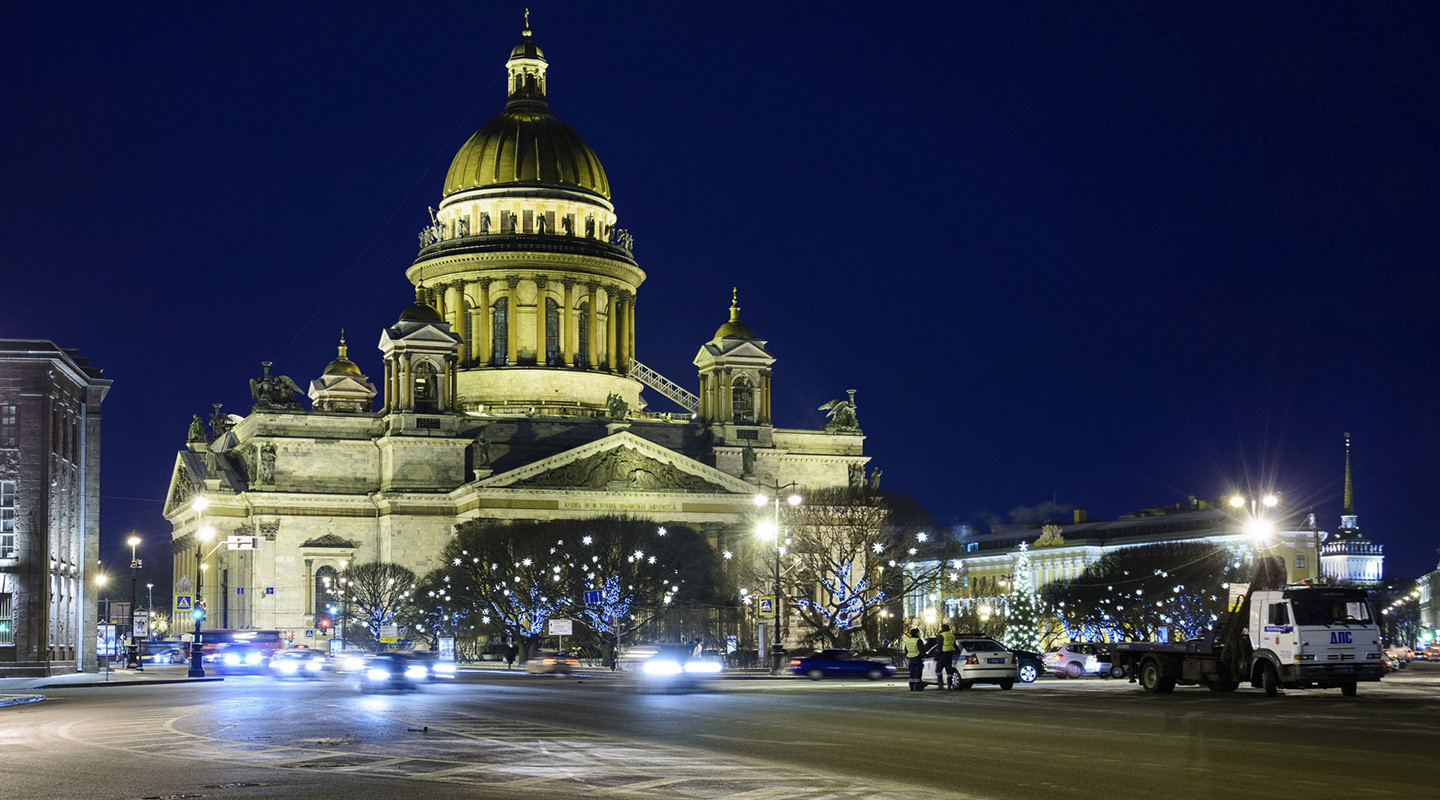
[
  {"x": 764, "y": 411},
  {"x": 454, "y": 308},
  {"x": 727, "y": 398},
  {"x": 389, "y": 384},
  {"x": 612, "y": 309},
  {"x": 540, "y": 319},
  {"x": 567, "y": 323},
  {"x": 407, "y": 387},
  {"x": 484, "y": 325},
  {"x": 630, "y": 299},
  {"x": 512, "y": 319},
  {"x": 590, "y": 356}
]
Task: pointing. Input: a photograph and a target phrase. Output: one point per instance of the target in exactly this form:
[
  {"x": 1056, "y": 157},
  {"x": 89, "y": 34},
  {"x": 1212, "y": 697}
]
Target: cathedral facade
[{"x": 511, "y": 391}]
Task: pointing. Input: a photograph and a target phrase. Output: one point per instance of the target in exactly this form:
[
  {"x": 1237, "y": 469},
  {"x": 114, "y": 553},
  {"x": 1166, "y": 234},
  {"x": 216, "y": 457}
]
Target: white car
[
  {"x": 1078, "y": 659},
  {"x": 979, "y": 660}
]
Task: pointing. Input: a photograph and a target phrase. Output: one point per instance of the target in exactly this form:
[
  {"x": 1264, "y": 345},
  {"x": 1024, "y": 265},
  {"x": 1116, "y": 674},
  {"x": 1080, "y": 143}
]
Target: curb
[{"x": 146, "y": 682}]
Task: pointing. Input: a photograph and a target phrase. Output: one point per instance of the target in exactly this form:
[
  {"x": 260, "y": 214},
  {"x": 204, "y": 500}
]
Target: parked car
[
  {"x": 1078, "y": 659},
  {"x": 839, "y": 664},
  {"x": 302, "y": 664},
  {"x": 1030, "y": 666},
  {"x": 550, "y": 662},
  {"x": 979, "y": 659},
  {"x": 165, "y": 655},
  {"x": 390, "y": 672}
]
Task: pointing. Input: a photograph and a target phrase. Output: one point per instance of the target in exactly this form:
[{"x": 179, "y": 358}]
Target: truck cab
[{"x": 1313, "y": 636}]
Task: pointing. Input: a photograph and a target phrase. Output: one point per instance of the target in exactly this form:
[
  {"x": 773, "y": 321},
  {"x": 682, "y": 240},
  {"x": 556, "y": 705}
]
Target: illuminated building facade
[{"x": 509, "y": 389}]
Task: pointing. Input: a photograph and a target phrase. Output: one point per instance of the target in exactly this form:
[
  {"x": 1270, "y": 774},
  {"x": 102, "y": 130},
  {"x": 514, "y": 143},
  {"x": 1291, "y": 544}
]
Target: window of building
[
  {"x": 499, "y": 331},
  {"x": 7, "y": 519},
  {"x": 7, "y": 634},
  {"x": 582, "y": 354},
  {"x": 1299, "y": 561},
  {"x": 9, "y": 428},
  {"x": 742, "y": 398},
  {"x": 427, "y": 389},
  {"x": 552, "y": 332},
  {"x": 327, "y": 593}
]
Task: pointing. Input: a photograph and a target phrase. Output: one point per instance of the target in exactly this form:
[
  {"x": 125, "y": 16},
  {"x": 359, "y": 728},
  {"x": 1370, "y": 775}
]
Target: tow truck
[{"x": 1278, "y": 636}]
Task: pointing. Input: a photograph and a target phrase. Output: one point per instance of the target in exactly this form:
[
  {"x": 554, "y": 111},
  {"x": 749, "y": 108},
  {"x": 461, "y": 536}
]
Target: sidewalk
[{"x": 19, "y": 691}]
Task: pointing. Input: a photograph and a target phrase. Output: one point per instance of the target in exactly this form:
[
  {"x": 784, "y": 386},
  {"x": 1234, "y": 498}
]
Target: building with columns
[
  {"x": 49, "y": 508},
  {"x": 988, "y": 561},
  {"x": 510, "y": 390},
  {"x": 1349, "y": 556}
]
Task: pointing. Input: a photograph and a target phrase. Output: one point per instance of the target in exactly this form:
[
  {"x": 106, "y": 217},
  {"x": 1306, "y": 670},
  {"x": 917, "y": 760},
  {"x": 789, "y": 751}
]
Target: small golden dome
[
  {"x": 734, "y": 329},
  {"x": 342, "y": 365},
  {"x": 420, "y": 311}
]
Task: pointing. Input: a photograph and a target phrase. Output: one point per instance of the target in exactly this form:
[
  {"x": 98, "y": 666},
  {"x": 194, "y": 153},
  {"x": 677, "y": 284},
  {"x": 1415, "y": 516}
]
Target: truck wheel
[
  {"x": 1150, "y": 676},
  {"x": 1270, "y": 679},
  {"x": 1348, "y": 689}
]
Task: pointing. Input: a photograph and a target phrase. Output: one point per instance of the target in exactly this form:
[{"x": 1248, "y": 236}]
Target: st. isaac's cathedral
[{"x": 511, "y": 390}]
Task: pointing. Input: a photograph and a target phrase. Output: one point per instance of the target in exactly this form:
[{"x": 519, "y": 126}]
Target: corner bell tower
[{"x": 734, "y": 374}]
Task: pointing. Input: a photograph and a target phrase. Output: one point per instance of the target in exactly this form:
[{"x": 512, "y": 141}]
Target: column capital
[
  {"x": 485, "y": 282},
  {"x": 568, "y": 283},
  {"x": 512, "y": 281},
  {"x": 541, "y": 281}
]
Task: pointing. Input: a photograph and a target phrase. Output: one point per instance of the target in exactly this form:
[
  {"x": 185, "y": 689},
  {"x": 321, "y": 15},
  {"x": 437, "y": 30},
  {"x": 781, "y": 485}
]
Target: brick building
[{"x": 49, "y": 507}]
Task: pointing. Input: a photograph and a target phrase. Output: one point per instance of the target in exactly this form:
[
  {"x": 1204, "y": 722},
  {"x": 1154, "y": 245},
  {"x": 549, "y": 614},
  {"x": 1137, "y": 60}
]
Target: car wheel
[
  {"x": 1007, "y": 685},
  {"x": 1074, "y": 670},
  {"x": 875, "y": 674},
  {"x": 1028, "y": 673},
  {"x": 816, "y": 674},
  {"x": 1270, "y": 679},
  {"x": 964, "y": 685},
  {"x": 1117, "y": 671},
  {"x": 1348, "y": 689}
]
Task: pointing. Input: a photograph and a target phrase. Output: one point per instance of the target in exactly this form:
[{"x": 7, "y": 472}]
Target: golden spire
[
  {"x": 1349, "y": 494},
  {"x": 342, "y": 343},
  {"x": 526, "y": 32},
  {"x": 734, "y": 304}
]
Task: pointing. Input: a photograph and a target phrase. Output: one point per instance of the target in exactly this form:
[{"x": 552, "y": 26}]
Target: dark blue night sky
[{"x": 1099, "y": 254}]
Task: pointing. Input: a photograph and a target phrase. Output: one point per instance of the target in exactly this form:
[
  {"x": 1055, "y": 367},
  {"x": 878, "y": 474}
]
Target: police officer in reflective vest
[
  {"x": 914, "y": 650},
  {"x": 945, "y": 658}
]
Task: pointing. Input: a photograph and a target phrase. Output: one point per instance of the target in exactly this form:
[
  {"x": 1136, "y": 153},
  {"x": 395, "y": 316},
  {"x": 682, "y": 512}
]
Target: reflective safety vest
[
  {"x": 947, "y": 641},
  {"x": 912, "y": 646}
]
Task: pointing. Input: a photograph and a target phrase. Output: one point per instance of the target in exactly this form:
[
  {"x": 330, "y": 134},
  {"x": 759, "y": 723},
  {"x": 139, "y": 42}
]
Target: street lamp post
[
  {"x": 132, "y": 659},
  {"x": 202, "y": 535},
  {"x": 761, "y": 500}
]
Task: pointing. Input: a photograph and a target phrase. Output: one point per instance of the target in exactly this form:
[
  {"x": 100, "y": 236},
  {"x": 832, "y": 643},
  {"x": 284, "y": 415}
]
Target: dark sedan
[{"x": 839, "y": 664}]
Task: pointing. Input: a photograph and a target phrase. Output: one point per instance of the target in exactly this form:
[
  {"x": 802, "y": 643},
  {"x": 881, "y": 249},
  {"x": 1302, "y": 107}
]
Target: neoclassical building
[
  {"x": 1349, "y": 556},
  {"x": 510, "y": 390}
]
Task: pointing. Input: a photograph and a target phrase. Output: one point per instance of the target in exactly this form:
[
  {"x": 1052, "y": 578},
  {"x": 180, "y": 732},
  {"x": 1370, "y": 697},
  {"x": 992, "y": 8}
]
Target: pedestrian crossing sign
[
  {"x": 182, "y": 602},
  {"x": 767, "y": 606}
]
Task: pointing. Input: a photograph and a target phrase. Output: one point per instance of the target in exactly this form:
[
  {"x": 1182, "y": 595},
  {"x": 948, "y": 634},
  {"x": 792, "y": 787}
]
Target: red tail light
[
  {"x": 794, "y": 662},
  {"x": 972, "y": 660}
]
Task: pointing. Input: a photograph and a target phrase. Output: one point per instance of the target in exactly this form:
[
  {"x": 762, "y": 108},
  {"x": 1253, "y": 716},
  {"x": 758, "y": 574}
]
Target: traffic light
[
  {"x": 198, "y": 611},
  {"x": 324, "y": 624}
]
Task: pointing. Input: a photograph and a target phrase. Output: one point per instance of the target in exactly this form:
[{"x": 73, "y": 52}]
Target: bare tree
[{"x": 374, "y": 594}]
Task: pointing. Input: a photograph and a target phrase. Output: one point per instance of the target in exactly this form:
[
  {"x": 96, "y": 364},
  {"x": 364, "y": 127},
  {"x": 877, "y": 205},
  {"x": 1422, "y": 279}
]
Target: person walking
[
  {"x": 510, "y": 652},
  {"x": 945, "y": 658},
  {"x": 915, "y": 651}
]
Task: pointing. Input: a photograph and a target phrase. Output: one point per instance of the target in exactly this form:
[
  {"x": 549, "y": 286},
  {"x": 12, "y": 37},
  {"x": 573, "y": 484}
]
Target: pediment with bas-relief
[{"x": 622, "y": 462}]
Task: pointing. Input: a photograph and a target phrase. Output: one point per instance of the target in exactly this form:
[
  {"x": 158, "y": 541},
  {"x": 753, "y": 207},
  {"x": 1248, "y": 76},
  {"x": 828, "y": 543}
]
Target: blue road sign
[
  {"x": 239, "y": 590},
  {"x": 767, "y": 606},
  {"x": 592, "y": 597},
  {"x": 182, "y": 602}
]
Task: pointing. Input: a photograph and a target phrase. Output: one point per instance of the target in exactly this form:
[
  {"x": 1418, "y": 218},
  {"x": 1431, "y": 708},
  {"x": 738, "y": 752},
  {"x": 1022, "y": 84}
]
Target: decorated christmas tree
[{"x": 1023, "y": 631}]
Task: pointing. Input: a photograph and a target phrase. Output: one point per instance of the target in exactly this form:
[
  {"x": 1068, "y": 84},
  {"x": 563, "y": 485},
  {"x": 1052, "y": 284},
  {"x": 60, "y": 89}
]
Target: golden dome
[
  {"x": 342, "y": 365},
  {"x": 734, "y": 329},
  {"x": 420, "y": 310},
  {"x": 526, "y": 144}
]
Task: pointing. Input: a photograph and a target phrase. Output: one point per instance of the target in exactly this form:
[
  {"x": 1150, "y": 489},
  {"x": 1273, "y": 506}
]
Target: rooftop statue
[
  {"x": 617, "y": 406},
  {"x": 274, "y": 391},
  {"x": 841, "y": 414}
]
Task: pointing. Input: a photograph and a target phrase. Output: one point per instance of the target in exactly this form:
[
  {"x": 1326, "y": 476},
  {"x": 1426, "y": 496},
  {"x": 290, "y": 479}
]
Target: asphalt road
[{"x": 508, "y": 735}]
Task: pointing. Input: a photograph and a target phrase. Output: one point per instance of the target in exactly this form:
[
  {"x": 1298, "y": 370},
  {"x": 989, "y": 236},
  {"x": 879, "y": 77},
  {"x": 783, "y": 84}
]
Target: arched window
[
  {"x": 552, "y": 332},
  {"x": 583, "y": 351},
  {"x": 427, "y": 388},
  {"x": 742, "y": 399},
  {"x": 499, "y": 331},
  {"x": 327, "y": 593}
]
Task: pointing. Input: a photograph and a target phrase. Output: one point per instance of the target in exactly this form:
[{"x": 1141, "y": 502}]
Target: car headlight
[
  {"x": 702, "y": 667},
  {"x": 1091, "y": 661},
  {"x": 288, "y": 666},
  {"x": 444, "y": 668},
  {"x": 315, "y": 665},
  {"x": 377, "y": 674},
  {"x": 1305, "y": 657},
  {"x": 231, "y": 659},
  {"x": 252, "y": 658},
  {"x": 661, "y": 666},
  {"x": 415, "y": 672},
  {"x": 354, "y": 663}
]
